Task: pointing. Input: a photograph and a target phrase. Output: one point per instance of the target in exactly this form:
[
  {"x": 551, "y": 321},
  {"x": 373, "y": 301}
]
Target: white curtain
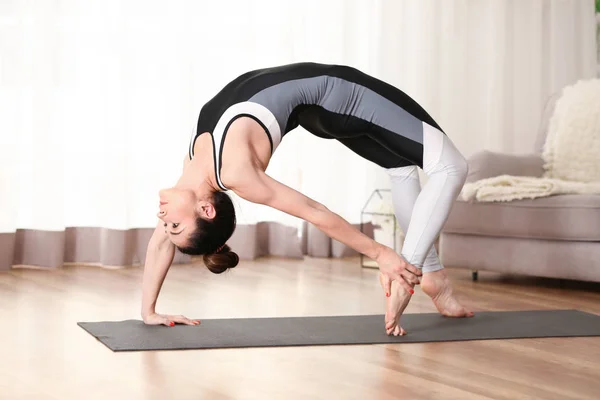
[{"x": 98, "y": 99}]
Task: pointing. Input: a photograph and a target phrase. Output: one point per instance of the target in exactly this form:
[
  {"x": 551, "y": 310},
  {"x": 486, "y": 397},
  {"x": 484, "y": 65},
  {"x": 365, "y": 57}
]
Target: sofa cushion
[
  {"x": 488, "y": 164},
  {"x": 562, "y": 217}
]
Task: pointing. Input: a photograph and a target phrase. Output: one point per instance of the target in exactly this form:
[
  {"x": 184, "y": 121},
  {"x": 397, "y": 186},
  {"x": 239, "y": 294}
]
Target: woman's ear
[{"x": 206, "y": 210}]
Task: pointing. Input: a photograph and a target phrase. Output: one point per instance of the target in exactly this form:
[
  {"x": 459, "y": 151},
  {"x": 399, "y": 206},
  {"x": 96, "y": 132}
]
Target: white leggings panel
[{"x": 422, "y": 213}]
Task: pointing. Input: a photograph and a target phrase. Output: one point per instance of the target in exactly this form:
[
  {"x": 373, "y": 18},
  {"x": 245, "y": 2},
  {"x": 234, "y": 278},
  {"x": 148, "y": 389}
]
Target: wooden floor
[{"x": 45, "y": 355}]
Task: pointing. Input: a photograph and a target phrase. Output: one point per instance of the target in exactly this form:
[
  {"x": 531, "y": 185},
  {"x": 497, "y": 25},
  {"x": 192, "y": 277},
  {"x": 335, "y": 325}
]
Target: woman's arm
[
  {"x": 159, "y": 257},
  {"x": 258, "y": 187}
]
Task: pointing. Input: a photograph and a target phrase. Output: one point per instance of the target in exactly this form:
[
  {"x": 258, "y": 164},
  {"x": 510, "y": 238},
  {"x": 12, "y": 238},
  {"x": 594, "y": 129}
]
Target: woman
[{"x": 240, "y": 128}]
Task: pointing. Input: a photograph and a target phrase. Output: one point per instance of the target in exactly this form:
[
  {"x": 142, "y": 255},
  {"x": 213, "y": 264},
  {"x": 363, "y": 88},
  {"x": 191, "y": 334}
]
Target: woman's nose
[{"x": 161, "y": 214}]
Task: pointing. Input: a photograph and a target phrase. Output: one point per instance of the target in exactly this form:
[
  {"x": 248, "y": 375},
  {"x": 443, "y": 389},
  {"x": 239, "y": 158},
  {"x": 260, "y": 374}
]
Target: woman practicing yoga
[{"x": 240, "y": 128}]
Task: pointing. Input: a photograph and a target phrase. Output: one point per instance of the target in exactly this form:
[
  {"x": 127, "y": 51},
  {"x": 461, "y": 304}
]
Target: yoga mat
[{"x": 134, "y": 335}]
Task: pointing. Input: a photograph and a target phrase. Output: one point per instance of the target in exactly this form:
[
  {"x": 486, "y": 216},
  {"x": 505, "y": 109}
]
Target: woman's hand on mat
[
  {"x": 169, "y": 320},
  {"x": 395, "y": 268}
]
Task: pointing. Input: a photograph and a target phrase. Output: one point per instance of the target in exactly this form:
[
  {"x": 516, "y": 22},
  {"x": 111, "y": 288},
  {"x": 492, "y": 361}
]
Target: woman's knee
[
  {"x": 454, "y": 165},
  {"x": 461, "y": 167},
  {"x": 441, "y": 156}
]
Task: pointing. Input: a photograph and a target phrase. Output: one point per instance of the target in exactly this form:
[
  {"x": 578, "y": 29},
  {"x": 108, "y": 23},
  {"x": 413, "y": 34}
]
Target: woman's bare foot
[
  {"x": 437, "y": 286},
  {"x": 394, "y": 307}
]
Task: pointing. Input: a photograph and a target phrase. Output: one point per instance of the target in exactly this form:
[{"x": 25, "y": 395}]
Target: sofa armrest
[{"x": 487, "y": 164}]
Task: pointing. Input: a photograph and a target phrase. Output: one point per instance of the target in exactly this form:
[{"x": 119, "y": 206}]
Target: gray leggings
[{"x": 422, "y": 213}]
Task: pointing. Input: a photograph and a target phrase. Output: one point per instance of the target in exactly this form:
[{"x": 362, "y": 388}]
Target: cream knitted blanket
[
  {"x": 571, "y": 153},
  {"x": 507, "y": 188}
]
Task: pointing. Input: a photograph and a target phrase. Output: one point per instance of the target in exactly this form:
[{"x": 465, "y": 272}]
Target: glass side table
[{"x": 377, "y": 220}]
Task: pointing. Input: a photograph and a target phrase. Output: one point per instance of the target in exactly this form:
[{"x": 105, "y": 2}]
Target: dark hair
[{"x": 209, "y": 237}]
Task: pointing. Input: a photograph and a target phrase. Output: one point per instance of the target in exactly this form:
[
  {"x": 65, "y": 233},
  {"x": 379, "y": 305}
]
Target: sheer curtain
[{"x": 98, "y": 100}]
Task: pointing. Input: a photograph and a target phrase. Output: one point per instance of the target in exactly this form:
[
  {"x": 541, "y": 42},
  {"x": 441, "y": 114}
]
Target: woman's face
[{"x": 177, "y": 210}]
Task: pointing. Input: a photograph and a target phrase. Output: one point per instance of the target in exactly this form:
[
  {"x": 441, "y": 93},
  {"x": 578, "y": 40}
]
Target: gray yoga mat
[{"x": 134, "y": 335}]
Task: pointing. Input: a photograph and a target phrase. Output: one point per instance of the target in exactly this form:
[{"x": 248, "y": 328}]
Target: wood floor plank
[{"x": 45, "y": 355}]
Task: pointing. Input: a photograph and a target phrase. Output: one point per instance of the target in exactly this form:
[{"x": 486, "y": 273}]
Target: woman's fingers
[
  {"x": 169, "y": 320},
  {"x": 386, "y": 284},
  {"x": 414, "y": 270},
  {"x": 410, "y": 277},
  {"x": 405, "y": 285},
  {"x": 180, "y": 319}
]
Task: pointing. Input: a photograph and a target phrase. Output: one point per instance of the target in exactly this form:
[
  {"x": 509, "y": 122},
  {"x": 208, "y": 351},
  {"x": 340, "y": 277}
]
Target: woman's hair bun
[{"x": 221, "y": 261}]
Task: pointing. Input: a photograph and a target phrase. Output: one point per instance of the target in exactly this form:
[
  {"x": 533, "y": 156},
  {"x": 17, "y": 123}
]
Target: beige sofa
[{"x": 556, "y": 237}]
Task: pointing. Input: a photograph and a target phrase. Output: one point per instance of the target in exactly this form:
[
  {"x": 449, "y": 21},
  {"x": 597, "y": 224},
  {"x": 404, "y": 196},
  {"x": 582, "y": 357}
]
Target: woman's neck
[{"x": 199, "y": 172}]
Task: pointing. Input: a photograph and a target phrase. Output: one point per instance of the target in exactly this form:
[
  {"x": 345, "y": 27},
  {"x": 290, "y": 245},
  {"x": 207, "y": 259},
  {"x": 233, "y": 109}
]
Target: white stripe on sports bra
[{"x": 251, "y": 109}]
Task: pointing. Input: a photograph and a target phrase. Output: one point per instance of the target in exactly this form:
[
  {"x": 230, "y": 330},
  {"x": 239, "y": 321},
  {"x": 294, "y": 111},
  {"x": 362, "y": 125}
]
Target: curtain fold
[{"x": 98, "y": 101}]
